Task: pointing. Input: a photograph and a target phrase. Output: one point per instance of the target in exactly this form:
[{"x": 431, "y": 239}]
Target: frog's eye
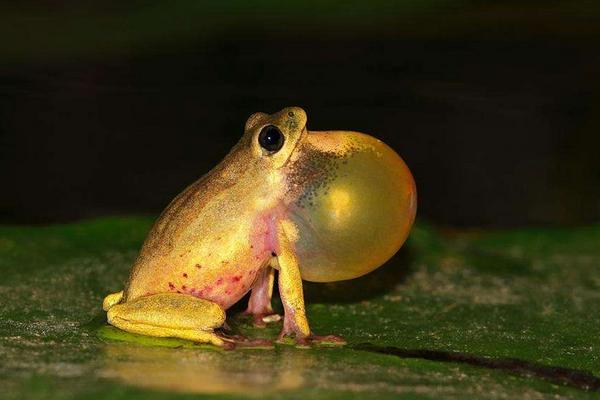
[{"x": 271, "y": 138}]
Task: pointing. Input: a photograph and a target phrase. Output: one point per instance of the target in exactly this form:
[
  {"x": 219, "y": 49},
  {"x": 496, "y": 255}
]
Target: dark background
[{"x": 114, "y": 108}]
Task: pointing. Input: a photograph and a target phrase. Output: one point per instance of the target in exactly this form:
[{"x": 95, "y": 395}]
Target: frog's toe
[
  {"x": 312, "y": 340},
  {"x": 222, "y": 342},
  {"x": 111, "y": 300},
  {"x": 256, "y": 343},
  {"x": 262, "y": 319},
  {"x": 245, "y": 342},
  {"x": 331, "y": 340},
  {"x": 268, "y": 318}
]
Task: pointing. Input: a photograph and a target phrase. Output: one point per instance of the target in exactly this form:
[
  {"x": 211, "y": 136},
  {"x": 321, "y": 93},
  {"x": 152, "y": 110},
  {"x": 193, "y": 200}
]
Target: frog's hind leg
[
  {"x": 259, "y": 305},
  {"x": 170, "y": 315},
  {"x": 111, "y": 300}
]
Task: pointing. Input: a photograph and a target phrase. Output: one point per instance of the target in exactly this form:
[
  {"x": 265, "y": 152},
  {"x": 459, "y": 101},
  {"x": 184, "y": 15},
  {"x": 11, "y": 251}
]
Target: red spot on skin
[
  {"x": 227, "y": 291},
  {"x": 179, "y": 291},
  {"x": 184, "y": 275},
  {"x": 219, "y": 281},
  {"x": 184, "y": 287},
  {"x": 236, "y": 278},
  {"x": 171, "y": 286}
]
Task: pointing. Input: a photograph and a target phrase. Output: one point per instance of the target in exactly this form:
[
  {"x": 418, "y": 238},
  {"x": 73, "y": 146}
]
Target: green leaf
[{"x": 510, "y": 314}]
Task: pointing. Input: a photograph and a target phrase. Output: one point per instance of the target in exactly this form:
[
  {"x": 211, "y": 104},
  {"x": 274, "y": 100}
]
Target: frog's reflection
[{"x": 192, "y": 370}]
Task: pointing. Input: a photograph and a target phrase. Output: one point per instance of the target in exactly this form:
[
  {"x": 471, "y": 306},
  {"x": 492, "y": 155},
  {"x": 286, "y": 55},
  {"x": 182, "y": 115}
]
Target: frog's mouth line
[
  {"x": 303, "y": 133},
  {"x": 572, "y": 377}
]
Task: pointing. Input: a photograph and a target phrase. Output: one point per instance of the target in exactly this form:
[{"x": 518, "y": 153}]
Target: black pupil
[{"x": 271, "y": 138}]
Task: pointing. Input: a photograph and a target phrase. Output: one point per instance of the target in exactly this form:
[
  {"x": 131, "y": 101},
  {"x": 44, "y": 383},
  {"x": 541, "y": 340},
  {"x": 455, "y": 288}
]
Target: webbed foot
[{"x": 241, "y": 341}]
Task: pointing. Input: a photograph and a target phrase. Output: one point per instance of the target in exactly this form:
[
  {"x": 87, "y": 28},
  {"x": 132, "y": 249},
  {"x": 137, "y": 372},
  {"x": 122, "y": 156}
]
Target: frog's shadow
[{"x": 379, "y": 282}]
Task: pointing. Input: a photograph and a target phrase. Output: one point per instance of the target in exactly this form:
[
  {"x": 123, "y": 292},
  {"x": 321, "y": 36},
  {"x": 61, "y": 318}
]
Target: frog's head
[
  {"x": 350, "y": 199},
  {"x": 274, "y": 138}
]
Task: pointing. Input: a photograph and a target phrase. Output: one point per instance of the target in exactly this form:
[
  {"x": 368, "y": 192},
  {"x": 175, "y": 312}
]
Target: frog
[{"x": 315, "y": 206}]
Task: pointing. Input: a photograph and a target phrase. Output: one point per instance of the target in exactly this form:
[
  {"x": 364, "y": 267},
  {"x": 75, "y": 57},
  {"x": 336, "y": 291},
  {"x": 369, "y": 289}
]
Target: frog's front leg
[
  {"x": 259, "y": 305},
  {"x": 169, "y": 315},
  {"x": 292, "y": 297},
  {"x": 290, "y": 291}
]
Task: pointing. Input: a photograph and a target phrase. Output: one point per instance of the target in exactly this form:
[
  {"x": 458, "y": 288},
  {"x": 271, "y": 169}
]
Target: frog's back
[{"x": 199, "y": 228}]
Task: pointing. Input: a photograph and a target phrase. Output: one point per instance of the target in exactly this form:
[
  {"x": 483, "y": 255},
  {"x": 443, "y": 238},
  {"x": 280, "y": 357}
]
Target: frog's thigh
[{"x": 170, "y": 315}]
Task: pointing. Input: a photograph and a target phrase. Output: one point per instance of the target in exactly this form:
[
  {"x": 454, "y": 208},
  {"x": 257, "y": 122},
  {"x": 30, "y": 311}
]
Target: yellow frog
[{"x": 318, "y": 206}]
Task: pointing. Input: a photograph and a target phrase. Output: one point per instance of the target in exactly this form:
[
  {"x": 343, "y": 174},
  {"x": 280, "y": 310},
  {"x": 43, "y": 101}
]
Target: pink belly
[
  {"x": 227, "y": 289},
  {"x": 225, "y": 281},
  {"x": 224, "y": 286}
]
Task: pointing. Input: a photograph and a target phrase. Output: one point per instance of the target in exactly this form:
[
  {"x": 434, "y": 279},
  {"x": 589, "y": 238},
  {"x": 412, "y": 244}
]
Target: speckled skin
[{"x": 327, "y": 206}]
